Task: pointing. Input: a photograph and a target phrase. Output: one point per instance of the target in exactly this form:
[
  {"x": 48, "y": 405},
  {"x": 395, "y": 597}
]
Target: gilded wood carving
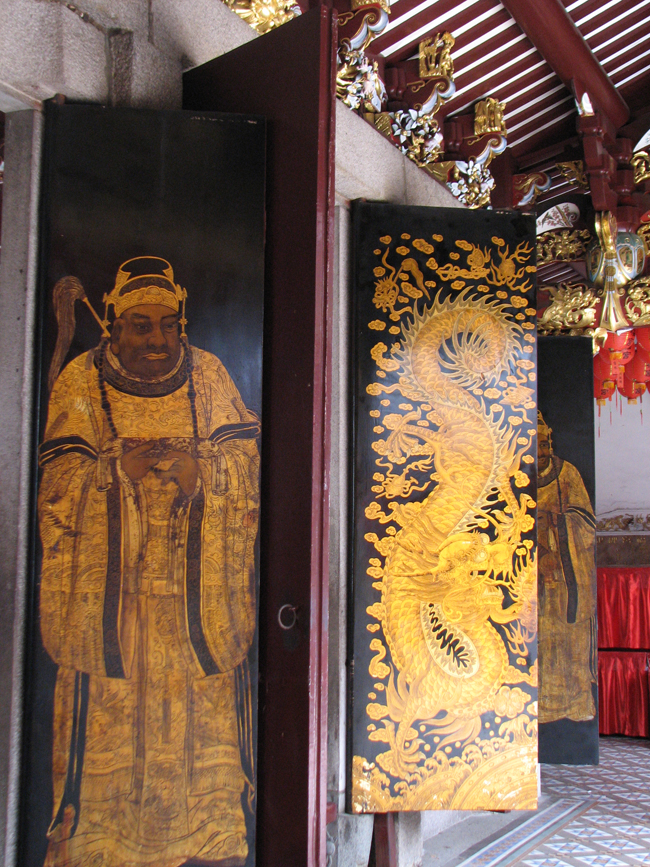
[{"x": 444, "y": 709}]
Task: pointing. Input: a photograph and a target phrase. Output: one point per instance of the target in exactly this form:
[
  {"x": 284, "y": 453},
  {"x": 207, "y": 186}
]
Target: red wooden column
[
  {"x": 385, "y": 840},
  {"x": 288, "y": 76}
]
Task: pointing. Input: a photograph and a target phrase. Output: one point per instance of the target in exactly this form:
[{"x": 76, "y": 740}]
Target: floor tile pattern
[{"x": 615, "y": 831}]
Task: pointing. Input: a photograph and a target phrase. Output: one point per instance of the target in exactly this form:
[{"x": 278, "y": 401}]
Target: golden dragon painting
[{"x": 451, "y": 709}]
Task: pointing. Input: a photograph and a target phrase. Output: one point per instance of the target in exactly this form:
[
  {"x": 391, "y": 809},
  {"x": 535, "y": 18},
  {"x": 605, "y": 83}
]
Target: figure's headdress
[
  {"x": 542, "y": 427},
  {"x": 146, "y": 280}
]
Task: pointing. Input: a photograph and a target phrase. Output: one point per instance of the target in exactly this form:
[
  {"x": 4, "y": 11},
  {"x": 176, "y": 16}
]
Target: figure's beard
[{"x": 123, "y": 380}]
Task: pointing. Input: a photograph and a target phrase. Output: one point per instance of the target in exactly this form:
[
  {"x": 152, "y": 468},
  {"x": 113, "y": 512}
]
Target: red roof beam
[
  {"x": 530, "y": 86},
  {"x": 550, "y": 28},
  {"x": 547, "y": 120},
  {"x": 480, "y": 34},
  {"x": 612, "y": 57},
  {"x": 582, "y": 13},
  {"x": 402, "y": 7},
  {"x": 532, "y": 100},
  {"x": 514, "y": 69},
  {"x": 492, "y": 55},
  {"x": 557, "y": 153},
  {"x": 420, "y": 15},
  {"x": 554, "y": 106},
  {"x": 636, "y": 89},
  {"x": 557, "y": 129},
  {"x": 448, "y": 16},
  {"x": 556, "y": 192},
  {"x": 515, "y": 90},
  {"x": 509, "y": 67},
  {"x": 608, "y": 39},
  {"x": 600, "y": 33},
  {"x": 632, "y": 66}
]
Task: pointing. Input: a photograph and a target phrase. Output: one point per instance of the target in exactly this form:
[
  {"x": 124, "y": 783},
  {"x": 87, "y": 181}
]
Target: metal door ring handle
[{"x": 287, "y": 622}]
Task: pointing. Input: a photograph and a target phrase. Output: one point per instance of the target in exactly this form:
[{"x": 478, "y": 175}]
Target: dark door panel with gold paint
[
  {"x": 443, "y": 697},
  {"x": 566, "y": 535},
  {"x": 142, "y": 664}
]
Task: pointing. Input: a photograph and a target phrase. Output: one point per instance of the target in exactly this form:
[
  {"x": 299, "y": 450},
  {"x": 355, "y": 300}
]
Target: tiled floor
[{"x": 615, "y": 832}]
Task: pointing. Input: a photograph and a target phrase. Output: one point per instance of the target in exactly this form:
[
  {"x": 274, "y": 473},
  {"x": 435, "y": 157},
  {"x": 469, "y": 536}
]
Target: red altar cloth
[
  {"x": 624, "y": 607},
  {"x": 624, "y": 650},
  {"x": 623, "y": 694}
]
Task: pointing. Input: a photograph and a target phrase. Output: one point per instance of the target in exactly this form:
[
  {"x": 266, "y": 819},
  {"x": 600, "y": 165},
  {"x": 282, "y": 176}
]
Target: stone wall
[{"x": 115, "y": 52}]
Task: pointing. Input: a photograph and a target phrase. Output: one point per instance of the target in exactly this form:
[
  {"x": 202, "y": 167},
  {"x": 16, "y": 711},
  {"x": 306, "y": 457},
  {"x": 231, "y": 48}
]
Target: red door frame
[{"x": 288, "y": 76}]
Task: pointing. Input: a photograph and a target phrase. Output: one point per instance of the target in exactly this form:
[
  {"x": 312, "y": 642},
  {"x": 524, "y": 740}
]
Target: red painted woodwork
[
  {"x": 441, "y": 9},
  {"x": 634, "y": 19},
  {"x": 541, "y": 91},
  {"x": 550, "y": 28},
  {"x": 560, "y": 55},
  {"x": 611, "y": 178},
  {"x": 288, "y": 76},
  {"x": 487, "y": 81},
  {"x": 499, "y": 42},
  {"x": 385, "y": 840}
]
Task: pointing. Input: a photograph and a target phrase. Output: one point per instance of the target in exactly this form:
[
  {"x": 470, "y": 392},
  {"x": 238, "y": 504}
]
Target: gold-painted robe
[
  {"x": 147, "y": 605},
  {"x": 566, "y": 531}
]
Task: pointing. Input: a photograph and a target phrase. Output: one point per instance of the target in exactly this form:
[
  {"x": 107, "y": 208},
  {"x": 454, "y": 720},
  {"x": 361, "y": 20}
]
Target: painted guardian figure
[
  {"x": 567, "y": 601},
  {"x": 148, "y": 513}
]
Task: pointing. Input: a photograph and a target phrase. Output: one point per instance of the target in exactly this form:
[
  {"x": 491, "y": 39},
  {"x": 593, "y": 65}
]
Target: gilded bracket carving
[
  {"x": 574, "y": 173},
  {"x": 637, "y": 301},
  {"x": 264, "y": 15},
  {"x": 471, "y": 180},
  {"x": 489, "y": 119},
  {"x": 564, "y": 246},
  {"x": 358, "y": 83},
  {"x": 526, "y": 188},
  {"x": 417, "y": 135},
  {"x": 572, "y": 310},
  {"x": 641, "y": 164}
]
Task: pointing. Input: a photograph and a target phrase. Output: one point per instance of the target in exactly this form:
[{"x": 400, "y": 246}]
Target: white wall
[{"x": 622, "y": 436}]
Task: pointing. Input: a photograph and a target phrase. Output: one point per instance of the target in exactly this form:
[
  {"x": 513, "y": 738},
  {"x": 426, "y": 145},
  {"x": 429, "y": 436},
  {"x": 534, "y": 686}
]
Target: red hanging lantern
[
  {"x": 642, "y": 334},
  {"x": 603, "y": 390},
  {"x": 642, "y": 353},
  {"x": 604, "y": 367},
  {"x": 620, "y": 345},
  {"x": 631, "y": 389},
  {"x": 638, "y": 369}
]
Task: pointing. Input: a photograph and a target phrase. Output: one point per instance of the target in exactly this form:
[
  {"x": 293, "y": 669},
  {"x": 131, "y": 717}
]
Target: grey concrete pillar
[
  {"x": 23, "y": 133},
  {"x": 408, "y": 833},
  {"x": 349, "y": 840}
]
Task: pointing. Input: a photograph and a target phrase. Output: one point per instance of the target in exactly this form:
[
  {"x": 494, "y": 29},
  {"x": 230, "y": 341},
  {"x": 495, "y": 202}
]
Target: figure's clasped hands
[{"x": 167, "y": 463}]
